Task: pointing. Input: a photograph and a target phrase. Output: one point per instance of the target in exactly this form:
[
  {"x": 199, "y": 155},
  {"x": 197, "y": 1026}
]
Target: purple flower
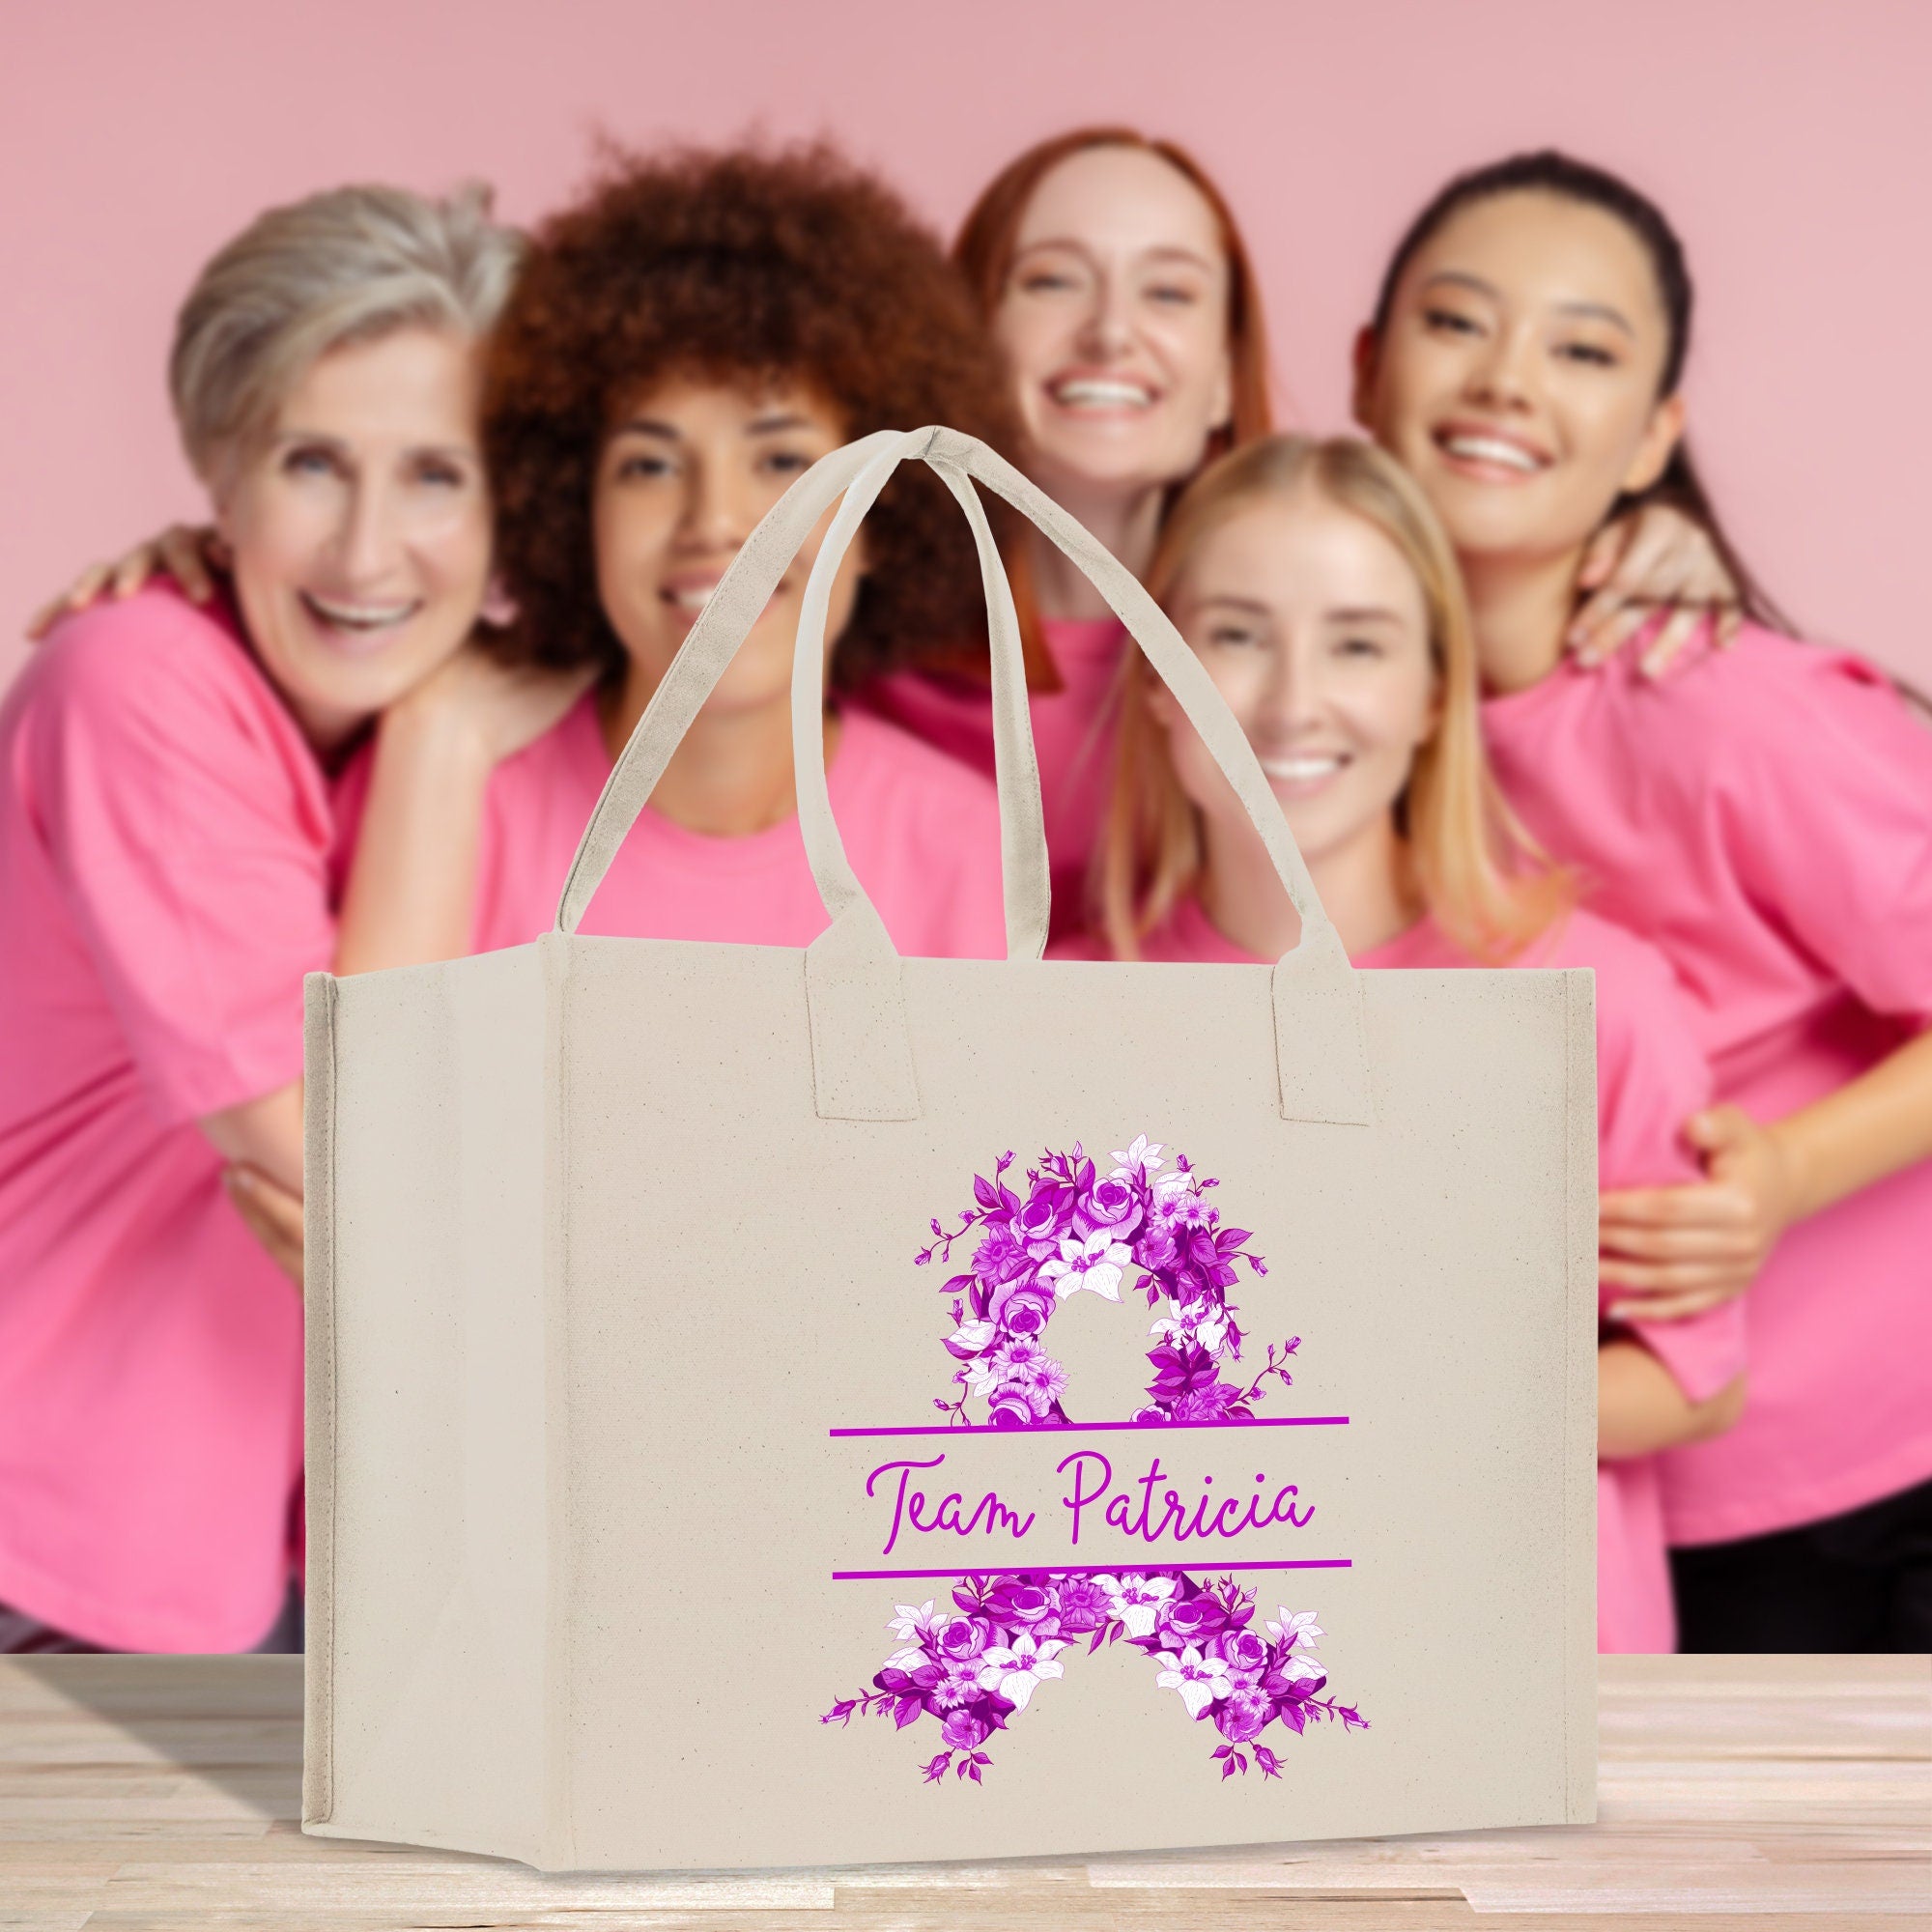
[
  {"x": 1022, "y": 1308},
  {"x": 1207, "y": 1403},
  {"x": 999, "y": 1257},
  {"x": 963, "y": 1637},
  {"x": 1042, "y": 1382},
  {"x": 1245, "y": 1652},
  {"x": 1241, "y": 1714},
  {"x": 1025, "y": 1604},
  {"x": 964, "y": 1731},
  {"x": 1047, "y": 1215},
  {"x": 1156, "y": 1249},
  {"x": 1195, "y": 1620},
  {"x": 1112, "y": 1205},
  {"x": 949, "y": 1684},
  {"x": 1010, "y": 1409},
  {"x": 1084, "y": 1605}
]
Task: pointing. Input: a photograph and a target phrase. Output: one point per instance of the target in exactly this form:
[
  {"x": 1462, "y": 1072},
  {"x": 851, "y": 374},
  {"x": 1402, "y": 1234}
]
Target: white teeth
[
  {"x": 1097, "y": 392},
  {"x": 1491, "y": 449},
  {"x": 691, "y": 600},
  {"x": 358, "y": 616},
  {"x": 1298, "y": 771}
]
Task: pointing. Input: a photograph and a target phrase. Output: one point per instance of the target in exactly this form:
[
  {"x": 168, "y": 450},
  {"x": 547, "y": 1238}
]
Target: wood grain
[{"x": 157, "y": 1794}]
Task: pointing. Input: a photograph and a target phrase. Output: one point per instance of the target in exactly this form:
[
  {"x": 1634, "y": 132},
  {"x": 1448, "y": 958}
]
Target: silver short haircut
[{"x": 347, "y": 265}]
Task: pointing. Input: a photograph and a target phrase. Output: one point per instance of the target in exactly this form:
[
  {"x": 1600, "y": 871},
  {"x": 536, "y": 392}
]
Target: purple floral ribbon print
[{"x": 975, "y": 1666}]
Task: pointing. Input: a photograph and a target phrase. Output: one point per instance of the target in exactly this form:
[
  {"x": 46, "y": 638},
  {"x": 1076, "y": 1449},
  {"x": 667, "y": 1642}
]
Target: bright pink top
[
  {"x": 1650, "y": 1077},
  {"x": 1765, "y": 818},
  {"x": 1074, "y": 732},
  {"x": 921, "y": 833},
  {"x": 164, "y": 839}
]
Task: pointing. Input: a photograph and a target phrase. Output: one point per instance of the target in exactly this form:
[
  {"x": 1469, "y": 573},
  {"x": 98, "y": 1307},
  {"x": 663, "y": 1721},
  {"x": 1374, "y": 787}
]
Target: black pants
[
  {"x": 1858, "y": 1581},
  {"x": 22, "y": 1636}
]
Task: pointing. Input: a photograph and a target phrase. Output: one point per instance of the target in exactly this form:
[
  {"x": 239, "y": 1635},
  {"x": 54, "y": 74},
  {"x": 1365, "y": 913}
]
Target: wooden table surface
[{"x": 154, "y": 1794}]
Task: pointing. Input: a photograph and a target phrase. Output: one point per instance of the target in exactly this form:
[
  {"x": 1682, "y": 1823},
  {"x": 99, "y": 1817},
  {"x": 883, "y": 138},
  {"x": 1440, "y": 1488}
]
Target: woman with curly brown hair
[{"x": 683, "y": 343}]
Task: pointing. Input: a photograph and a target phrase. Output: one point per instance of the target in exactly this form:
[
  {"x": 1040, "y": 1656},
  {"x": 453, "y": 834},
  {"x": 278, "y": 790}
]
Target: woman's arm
[
  {"x": 1640, "y": 1409},
  {"x": 1677, "y": 1251},
  {"x": 411, "y": 892}
]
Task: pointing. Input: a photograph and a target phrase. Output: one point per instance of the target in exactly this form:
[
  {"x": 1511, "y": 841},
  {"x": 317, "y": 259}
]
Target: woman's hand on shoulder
[
  {"x": 190, "y": 554},
  {"x": 1654, "y": 558},
  {"x": 1674, "y": 1252},
  {"x": 488, "y": 709}
]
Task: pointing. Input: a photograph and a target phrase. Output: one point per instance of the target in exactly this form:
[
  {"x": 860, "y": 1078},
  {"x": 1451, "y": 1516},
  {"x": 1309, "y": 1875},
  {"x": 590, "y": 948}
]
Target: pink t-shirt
[
  {"x": 1074, "y": 732},
  {"x": 165, "y": 837},
  {"x": 1765, "y": 818},
  {"x": 1650, "y": 1077},
  {"x": 921, "y": 833}
]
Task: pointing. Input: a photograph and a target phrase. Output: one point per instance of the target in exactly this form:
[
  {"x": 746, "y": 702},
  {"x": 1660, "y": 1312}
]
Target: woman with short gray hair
[{"x": 168, "y": 863}]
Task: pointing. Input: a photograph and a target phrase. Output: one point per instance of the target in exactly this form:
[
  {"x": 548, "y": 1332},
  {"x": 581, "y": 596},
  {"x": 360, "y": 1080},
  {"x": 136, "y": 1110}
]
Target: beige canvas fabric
[{"x": 634, "y": 1423}]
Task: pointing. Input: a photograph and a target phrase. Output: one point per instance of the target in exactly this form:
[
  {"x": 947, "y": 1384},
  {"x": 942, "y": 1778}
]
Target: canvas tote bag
[{"x": 771, "y": 1408}]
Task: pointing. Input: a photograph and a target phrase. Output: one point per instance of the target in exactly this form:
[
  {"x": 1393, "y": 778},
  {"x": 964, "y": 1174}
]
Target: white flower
[
  {"x": 913, "y": 1622},
  {"x": 1209, "y": 1329},
  {"x": 1096, "y": 1262},
  {"x": 1200, "y": 1680},
  {"x": 1296, "y": 1630},
  {"x": 1136, "y": 1600},
  {"x": 1014, "y": 1672},
  {"x": 1140, "y": 1158},
  {"x": 908, "y": 1659}
]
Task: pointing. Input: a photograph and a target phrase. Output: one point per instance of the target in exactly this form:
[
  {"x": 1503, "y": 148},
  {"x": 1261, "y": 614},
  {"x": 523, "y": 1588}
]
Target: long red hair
[{"x": 983, "y": 253}]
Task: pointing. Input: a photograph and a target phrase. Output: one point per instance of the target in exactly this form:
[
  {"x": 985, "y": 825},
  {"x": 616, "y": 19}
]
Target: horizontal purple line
[
  {"x": 1079, "y": 1428},
  {"x": 1085, "y": 1568}
]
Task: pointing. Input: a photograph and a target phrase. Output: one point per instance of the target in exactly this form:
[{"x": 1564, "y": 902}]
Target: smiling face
[
  {"x": 684, "y": 477},
  {"x": 1114, "y": 321},
  {"x": 1315, "y": 631},
  {"x": 1516, "y": 375},
  {"x": 360, "y": 526}
]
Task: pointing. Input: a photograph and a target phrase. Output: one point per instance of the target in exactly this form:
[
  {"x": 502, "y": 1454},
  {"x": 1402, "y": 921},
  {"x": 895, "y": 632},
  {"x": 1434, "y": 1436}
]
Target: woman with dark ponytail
[{"x": 1767, "y": 821}]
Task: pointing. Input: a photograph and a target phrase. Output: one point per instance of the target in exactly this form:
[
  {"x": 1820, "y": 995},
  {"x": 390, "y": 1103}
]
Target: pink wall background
[{"x": 1789, "y": 141}]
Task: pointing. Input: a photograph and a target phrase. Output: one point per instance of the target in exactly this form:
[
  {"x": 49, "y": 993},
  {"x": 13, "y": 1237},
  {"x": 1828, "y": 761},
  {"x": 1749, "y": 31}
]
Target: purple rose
[
  {"x": 1112, "y": 1205},
  {"x": 1084, "y": 1605},
  {"x": 1241, "y": 1714},
  {"x": 1022, "y": 1310},
  {"x": 1045, "y": 1217},
  {"x": 1025, "y": 1604},
  {"x": 1196, "y": 1620},
  {"x": 963, "y": 1637},
  {"x": 1010, "y": 1409},
  {"x": 1244, "y": 1652}
]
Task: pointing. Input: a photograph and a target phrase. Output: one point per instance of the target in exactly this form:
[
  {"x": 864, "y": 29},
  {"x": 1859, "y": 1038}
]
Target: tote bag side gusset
[
  {"x": 428, "y": 1575},
  {"x": 319, "y": 1393},
  {"x": 1579, "y": 1414}
]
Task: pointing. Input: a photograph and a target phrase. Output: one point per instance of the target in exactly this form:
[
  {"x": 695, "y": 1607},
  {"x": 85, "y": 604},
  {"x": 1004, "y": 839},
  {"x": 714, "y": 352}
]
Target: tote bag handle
[{"x": 862, "y": 1058}]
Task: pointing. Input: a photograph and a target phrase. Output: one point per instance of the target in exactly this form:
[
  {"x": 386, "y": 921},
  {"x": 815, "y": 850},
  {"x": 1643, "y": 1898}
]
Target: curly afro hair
[{"x": 739, "y": 266}]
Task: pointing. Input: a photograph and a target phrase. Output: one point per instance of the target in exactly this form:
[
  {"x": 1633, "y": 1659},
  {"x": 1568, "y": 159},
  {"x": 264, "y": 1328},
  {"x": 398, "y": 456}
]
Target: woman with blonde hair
[
  {"x": 170, "y": 868},
  {"x": 1321, "y": 596}
]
